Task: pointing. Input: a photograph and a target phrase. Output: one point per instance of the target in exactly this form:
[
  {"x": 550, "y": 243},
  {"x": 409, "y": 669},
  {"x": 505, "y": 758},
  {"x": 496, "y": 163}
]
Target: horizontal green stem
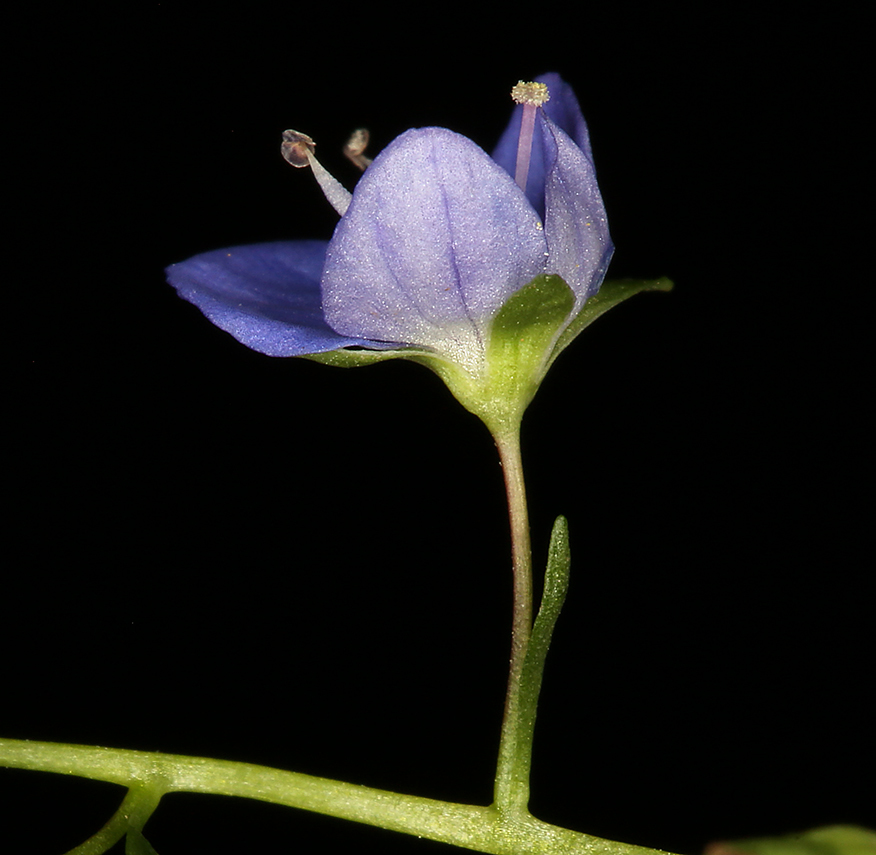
[{"x": 482, "y": 829}]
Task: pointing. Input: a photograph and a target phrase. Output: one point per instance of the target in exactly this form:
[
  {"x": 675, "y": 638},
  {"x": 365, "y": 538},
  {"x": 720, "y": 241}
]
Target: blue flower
[{"x": 436, "y": 238}]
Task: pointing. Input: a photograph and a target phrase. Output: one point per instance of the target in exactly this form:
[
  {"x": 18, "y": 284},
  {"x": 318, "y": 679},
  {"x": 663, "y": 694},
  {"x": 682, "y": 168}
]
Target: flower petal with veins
[
  {"x": 436, "y": 239},
  {"x": 266, "y": 295}
]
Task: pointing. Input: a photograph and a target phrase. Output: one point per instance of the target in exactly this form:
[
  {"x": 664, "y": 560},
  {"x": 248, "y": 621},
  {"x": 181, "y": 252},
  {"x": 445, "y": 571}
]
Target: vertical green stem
[{"x": 512, "y": 773}]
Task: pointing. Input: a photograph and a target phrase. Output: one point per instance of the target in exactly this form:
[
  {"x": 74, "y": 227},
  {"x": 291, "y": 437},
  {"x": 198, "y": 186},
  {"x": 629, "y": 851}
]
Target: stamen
[
  {"x": 297, "y": 149},
  {"x": 531, "y": 96},
  {"x": 355, "y": 147}
]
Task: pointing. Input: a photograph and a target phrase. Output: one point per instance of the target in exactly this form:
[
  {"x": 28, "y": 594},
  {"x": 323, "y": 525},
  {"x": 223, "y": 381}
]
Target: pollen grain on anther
[{"x": 535, "y": 94}]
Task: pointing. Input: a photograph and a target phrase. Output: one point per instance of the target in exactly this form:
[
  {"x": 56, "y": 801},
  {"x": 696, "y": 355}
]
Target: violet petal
[
  {"x": 437, "y": 237},
  {"x": 575, "y": 224},
  {"x": 266, "y": 295}
]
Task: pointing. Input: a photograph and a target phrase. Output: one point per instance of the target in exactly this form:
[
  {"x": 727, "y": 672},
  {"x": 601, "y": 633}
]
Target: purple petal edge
[
  {"x": 266, "y": 295},
  {"x": 575, "y": 225}
]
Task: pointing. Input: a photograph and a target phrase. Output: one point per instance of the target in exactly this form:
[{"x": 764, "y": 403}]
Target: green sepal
[
  {"x": 357, "y": 358},
  {"x": 611, "y": 293},
  {"x": 527, "y": 334},
  {"x": 518, "y": 346},
  {"x": 524, "y": 332}
]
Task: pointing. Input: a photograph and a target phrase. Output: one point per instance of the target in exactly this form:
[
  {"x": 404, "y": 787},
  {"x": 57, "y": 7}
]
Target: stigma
[{"x": 531, "y": 96}]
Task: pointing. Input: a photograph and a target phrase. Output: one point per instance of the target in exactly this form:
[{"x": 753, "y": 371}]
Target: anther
[
  {"x": 297, "y": 149},
  {"x": 355, "y": 148},
  {"x": 531, "y": 96}
]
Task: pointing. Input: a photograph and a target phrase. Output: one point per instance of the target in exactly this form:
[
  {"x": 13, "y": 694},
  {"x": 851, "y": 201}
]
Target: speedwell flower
[{"x": 440, "y": 256}]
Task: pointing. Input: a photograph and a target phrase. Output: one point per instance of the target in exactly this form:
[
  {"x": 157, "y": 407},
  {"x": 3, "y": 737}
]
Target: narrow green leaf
[{"x": 556, "y": 586}]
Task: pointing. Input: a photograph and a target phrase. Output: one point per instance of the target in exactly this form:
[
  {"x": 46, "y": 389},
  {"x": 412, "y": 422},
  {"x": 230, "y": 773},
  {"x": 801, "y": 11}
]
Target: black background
[{"x": 217, "y": 553}]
